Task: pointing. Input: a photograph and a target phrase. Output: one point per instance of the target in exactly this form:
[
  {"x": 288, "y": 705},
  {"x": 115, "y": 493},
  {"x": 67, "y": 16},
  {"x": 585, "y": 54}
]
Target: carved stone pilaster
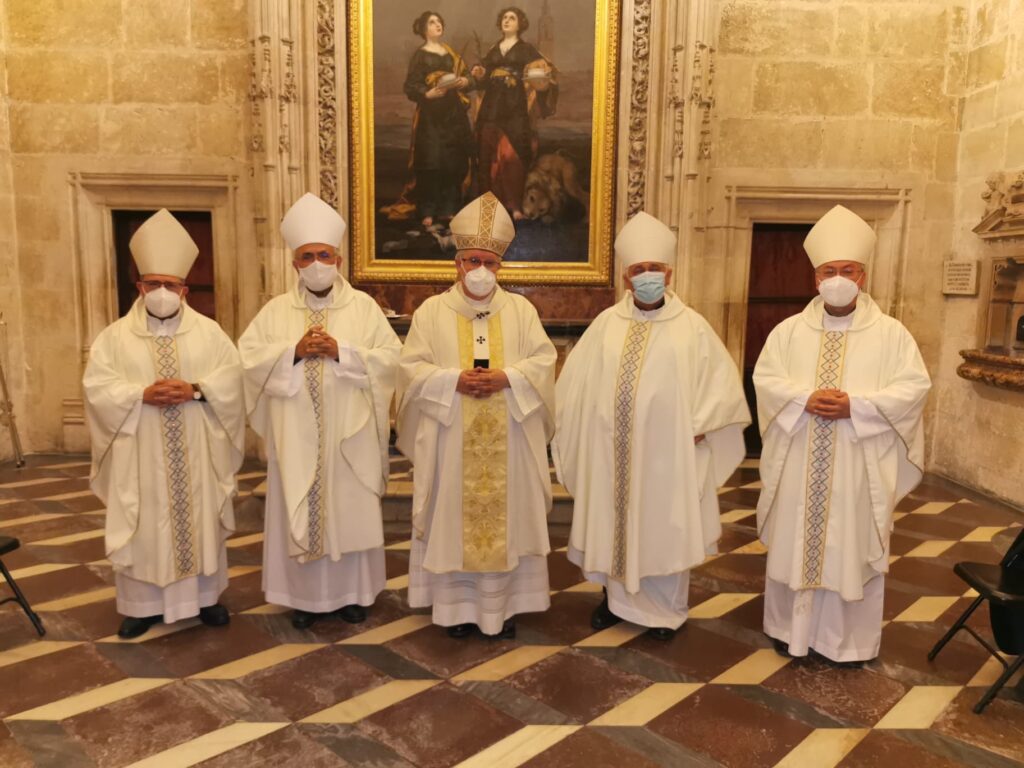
[
  {"x": 638, "y": 100},
  {"x": 289, "y": 95},
  {"x": 327, "y": 101},
  {"x": 702, "y": 93}
]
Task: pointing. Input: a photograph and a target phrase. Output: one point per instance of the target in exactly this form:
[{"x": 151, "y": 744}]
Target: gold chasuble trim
[
  {"x": 313, "y": 368},
  {"x": 484, "y": 462},
  {"x": 633, "y": 350},
  {"x": 179, "y": 484},
  {"x": 821, "y": 457}
]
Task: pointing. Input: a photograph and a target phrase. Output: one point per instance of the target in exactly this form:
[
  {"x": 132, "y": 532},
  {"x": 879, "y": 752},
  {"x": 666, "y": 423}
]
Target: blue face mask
[{"x": 649, "y": 287}]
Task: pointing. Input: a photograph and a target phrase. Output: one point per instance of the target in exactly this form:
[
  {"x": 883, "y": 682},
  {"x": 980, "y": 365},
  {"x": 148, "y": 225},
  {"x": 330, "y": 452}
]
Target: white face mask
[
  {"x": 318, "y": 276},
  {"x": 838, "y": 291},
  {"x": 480, "y": 281},
  {"x": 162, "y": 303}
]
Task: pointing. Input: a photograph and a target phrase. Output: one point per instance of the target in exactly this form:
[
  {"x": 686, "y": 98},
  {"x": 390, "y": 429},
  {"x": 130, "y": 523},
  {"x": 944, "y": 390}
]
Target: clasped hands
[
  {"x": 316, "y": 342},
  {"x": 481, "y": 382},
  {"x": 829, "y": 404},
  {"x": 164, "y": 392}
]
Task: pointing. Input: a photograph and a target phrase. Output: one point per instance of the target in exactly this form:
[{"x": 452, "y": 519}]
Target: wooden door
[{"x": 781, "y": 284}]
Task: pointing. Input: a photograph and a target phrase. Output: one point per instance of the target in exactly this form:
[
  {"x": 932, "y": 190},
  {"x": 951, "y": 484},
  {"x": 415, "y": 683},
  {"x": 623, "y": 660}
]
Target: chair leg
[
  {"x": 991, "y": 692},
  {"x": 957, "y": 626},
  {"x": 32, "y": 616}
]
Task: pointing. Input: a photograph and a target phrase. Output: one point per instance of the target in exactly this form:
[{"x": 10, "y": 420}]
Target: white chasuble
[
  {"x": 325, "y": 424},
  {"x": 166, "y": 474},
  {"x": 633, "y": 394}
]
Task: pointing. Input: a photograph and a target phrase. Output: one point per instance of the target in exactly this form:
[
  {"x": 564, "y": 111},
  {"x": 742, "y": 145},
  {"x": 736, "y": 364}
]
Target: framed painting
[{"x": 449, "y": 99}]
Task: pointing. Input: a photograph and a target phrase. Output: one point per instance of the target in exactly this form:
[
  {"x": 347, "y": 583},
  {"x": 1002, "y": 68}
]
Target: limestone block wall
[
  {"x": 101, "y": 86},
  {"x": 979, "y": 430}
]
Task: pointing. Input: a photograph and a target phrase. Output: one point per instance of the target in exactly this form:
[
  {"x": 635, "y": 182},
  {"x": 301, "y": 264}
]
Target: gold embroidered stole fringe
[
  {"x": 484, "y": 462},
  {"x": 627, "y": 383},
  {"x": 821, "y": 460},
  {"x": 313, "y": 368},
  {"x": 179, "y": 484}
]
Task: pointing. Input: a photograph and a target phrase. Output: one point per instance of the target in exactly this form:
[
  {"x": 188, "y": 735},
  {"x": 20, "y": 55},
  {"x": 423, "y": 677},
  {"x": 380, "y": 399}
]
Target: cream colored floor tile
[
  {"x": 74, "y": 601},
  {"x": 30, "y": 483},
  {"x": 648, "y": 704},
  {"x": 754, "y": 486},
  {"x": 561, "y": 549},
  {"x": 988, "y": 674},
  {"x": 584, "y": 586},
  {"x": 67, "y": 496},
  {"x": 242, "y": 570},
  {"x": 893, "y": 559},
  {"x": 398, "y": 582},
  {"x": 39, "y": 570},
  {"x": 933, "y": 508},
  {"x": 365, "y": 704},
  {"x": 243, "y": 494},
  {"x": 209, "y": 745},
  {"x": 260, "y": 491},
  {"x": 157, "y": 630},
  {"x": 720, "y": 604},
  {"x": 753, "y": 548},
  {"x": 753, "y": 670},
  {"x": 984, "y": 533},
  {"x": 29, "y": 519},
  {"x": 268, "y": 608},
  {"x": 244, "y": 541},
  {"x": 508, "y": 663},
  {"x": 250, "y": 475},
  {"x": 926, "y": 609},
  {"x": 65, "y": 465},
  {"x": 34, "y": 650},
  {"x": 257, "y": 661},
  {"x": 71, "y": 538},
  {"x": 750, "y": 464},
  {"x": 972, "y": 592},
  {"x": 919, "y": 707},
  {"x": 932, "y": 548},
  {"x": 823, "y": 748},
  {"x": 387, "y": 632},
  {"x": 400, "y": 546},
  {"x": 97, "y": 697},
  {"x": 736, "y": 515},
  {"x": 612, "y": 637},
  {"x": 899, "y": 515},
  {"x": 517, "y": 748}
]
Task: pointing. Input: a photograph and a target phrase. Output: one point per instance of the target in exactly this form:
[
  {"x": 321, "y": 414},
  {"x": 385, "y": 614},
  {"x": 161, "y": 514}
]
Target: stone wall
[
  {"x": 978, "y": 437},
  {"x": 103, "y": 86}
]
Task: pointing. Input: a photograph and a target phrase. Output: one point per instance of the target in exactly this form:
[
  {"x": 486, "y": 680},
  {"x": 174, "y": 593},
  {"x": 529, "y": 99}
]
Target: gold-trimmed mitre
[
  {"x": 161, "y": 246},
  {"x": 840, "y": 235},
  {"x": 483, "y": 224}
]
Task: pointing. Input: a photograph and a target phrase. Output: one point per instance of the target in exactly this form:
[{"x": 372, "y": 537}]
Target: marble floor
[{"x": 396, "y": 691}]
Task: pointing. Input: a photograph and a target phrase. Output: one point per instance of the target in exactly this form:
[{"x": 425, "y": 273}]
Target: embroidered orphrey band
[
  {"x": 484, "y": 462},
  {"x": 625, "y": 409},
  {"x": 821, "y": 460},
  {"x": 313, "y": 368},
  {"x": 179, "y": 485}
]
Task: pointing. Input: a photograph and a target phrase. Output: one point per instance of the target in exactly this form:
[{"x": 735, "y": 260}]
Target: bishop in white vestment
[
  {"x": 475, "y": 413},
  {"x": 649, "y": 424},
  {"x": 163, "y": 397},
  {"x": 840, "y": 392},
  {"x": 320, "y": 364}
]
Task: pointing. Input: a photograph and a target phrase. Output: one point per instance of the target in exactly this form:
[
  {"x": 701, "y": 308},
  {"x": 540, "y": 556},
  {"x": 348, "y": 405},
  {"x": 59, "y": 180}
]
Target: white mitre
[
  {"x": 644, "y": 238},
  {"x": 840, "y": 235},
  {"x": 161, "y": 246},
  {"x": 311, "y": 220},
  {"x": 483, "y": 224}
]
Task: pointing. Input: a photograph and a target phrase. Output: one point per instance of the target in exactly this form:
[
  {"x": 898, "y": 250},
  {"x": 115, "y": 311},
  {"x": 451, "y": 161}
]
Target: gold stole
[
  {"x": 821, "y": 457},
  {"x": 179, "y": 484},
  {"x": 484, "y": 462},
  {"x": 626, "y": 385},
  {"x": 313, "y": 368}
]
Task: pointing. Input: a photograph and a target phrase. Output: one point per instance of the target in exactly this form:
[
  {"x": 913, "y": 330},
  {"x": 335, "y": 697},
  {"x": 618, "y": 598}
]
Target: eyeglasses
[
  {"x": 475, "y": 262},
  {"x": 156, "y": 285},
  {"x": 850, "y": 273},
  {"x": 308, "y": 257}
]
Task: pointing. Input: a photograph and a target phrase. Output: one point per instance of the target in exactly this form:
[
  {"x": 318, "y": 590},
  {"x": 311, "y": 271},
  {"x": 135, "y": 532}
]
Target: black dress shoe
[
  {"x": 214, "y": 615},
  {"x": 303, "y": 619},
  {"x": 460, "y": 630},
  {"x": 661, "y": 633},
  {"x": 602, "y": 617},
  {"x": 508, "y": 630},
  {"x": 353, "y": 614},
  {"x": 781, "y": 648},
  {"x": 136, "y": 626}
]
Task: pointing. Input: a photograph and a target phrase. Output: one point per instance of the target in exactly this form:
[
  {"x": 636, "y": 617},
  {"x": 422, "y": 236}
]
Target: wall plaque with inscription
[{"x": 960, "y": 278}]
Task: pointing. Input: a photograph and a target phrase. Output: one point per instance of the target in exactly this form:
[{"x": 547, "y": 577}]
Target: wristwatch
[{"x": 197, "y": 393}]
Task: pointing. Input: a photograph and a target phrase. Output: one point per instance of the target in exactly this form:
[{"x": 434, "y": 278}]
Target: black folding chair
[
  {"x": 1003, "y": 586},
  {"x": 7, "y": 544}
]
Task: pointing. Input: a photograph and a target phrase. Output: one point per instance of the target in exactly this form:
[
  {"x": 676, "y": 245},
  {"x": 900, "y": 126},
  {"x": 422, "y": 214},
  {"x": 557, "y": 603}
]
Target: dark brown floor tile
[
  {"x": 57, "y": 584},
  {"x": 199, "y": 648},
  {"x": 984, "y": 513},
  {"x": 353, "y": 746},
  {"x": 734, "y": 537},
  {"x": 389, "y": 606},
  {"x": 38, "y": 681},
  {"x": 59, "y": 486},
  {"x": 909, "y": 504},
  {"x": 999, "y": 729},
  {"x": 901, "y": 543},
  {"x": 80, "y": 505},
  {"x": 734, "y": 573},
  {"x": 140, "y": 726},
  {"x": 935, "y": 526},
  {"x": 907, "y": 645},
  {"x": 16, "y": 509},
  {"x": 578, "y": 684},
  {"x": 285, "y": 747},
  {"x": 857, "y": 696},
  {"x": 312, "y": 682},
  {"x": 243, "y": 592},
  {"x": 396, "y": 563},
  {"x": 15, "y": 629},
  {"x": 433, "y": 649},
  {"x": 586, "y": 749},
  {"x": 927, "y": 576},
  {"x": 49, "y": 745},
  {"x": 439, "y": 728},
  {"x": 887, "y": 750},
  {"x": 86, "y": 622},
  {"x": 927, "y": 491},
  {"x": 973, "y": 551},
  {"x": 562, "y": 573},
  {"x": 565, "y": 622},
  {"x": 12, "y": 754},
  {"x": 78, "y": 552},
  {"x": 897, "y": 601},
  {"x": 745, "y": 498},
  {"x": 699, "y": 654},
  {"x": 742, "y": 476},
  {"x": 732, "y": 730},
  {"x": 48, "y": 529}
]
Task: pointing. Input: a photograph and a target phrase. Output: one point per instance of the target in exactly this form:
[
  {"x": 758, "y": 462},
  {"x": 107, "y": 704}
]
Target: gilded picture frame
[{"x": 563, "y": 237}]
